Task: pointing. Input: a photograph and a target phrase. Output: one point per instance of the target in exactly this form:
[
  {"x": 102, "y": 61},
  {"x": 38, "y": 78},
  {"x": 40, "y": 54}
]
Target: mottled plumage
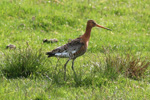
[
  {"x": 69, "y": 50},
  {"x": 75, "y": 48}
]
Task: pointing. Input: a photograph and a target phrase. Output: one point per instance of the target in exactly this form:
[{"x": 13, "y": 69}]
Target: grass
[
  {"x": 23, "y": 62},
  {"x": 115, "y": 66}
]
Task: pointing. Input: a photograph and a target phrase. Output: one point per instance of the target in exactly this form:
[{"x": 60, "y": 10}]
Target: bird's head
[{"x": 92, "y": 23}]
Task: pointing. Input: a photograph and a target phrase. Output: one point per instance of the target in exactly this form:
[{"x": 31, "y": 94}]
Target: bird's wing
[{"x": 68, "y": 49}]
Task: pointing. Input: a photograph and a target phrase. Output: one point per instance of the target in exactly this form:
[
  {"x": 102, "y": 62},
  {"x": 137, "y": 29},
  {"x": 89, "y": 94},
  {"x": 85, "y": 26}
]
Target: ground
[{"x": 25, "y": 23}]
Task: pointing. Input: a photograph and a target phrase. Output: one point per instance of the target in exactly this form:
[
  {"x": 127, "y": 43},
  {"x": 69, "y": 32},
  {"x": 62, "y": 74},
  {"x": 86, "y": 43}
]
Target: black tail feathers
[{"x": 50, "y": 54}]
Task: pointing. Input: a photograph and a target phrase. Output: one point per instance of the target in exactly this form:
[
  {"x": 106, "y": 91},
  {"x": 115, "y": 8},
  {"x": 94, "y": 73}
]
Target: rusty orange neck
[{"x": 86, "y": 35}]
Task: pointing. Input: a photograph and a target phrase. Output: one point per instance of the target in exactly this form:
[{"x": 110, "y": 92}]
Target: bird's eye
[{"x": 93, "y": 23}]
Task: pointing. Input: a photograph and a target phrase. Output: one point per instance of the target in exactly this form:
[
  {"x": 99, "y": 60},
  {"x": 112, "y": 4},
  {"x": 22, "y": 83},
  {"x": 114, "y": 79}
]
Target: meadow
[{"x": 115, "y": 66}]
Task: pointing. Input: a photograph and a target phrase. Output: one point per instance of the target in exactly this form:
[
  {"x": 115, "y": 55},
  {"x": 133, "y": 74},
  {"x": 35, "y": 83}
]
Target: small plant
[
  {"x": 136, "y": 67},
  {"x": 131, "y": 66},
  {"x": 113, "y": 64},
  {"x": 22, "y": 62}
]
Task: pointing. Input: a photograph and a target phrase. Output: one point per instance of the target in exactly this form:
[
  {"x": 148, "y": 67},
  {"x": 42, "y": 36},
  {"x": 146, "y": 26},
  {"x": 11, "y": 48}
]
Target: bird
[
  {"x": 76, "y": 47},
  {"x": 10, "y": 46}
]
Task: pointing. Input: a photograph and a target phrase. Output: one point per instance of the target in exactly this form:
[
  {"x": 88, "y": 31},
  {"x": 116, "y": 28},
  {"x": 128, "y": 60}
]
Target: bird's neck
[
  {"x": 87, "y": 33},
  {"x": 86, "y": 36}
]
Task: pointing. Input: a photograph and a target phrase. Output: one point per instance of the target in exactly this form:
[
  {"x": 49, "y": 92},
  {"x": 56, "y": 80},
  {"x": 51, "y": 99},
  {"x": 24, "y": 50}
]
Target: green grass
[
  {"x": 23, "y": 62},
  {"x": 112, "y": 67}
]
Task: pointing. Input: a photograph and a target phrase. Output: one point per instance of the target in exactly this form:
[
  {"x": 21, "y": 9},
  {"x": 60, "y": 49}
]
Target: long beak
[{"x": 103, "y": 27}]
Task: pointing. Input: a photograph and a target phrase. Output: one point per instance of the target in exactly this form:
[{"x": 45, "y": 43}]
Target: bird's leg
[
  {"x": 57, "y": 63},
  {"x": 65, "y": 69},
  {"x": 73, "y": 67}
]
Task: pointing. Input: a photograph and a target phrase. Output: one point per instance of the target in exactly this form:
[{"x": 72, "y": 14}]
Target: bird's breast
[{"x": 86, "y": 44}]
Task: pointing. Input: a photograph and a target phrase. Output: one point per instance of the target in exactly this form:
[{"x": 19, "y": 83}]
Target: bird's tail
[{"x": 50, "y": 54}]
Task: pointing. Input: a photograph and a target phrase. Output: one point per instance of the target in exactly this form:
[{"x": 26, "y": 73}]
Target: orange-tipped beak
[{"x": 102, "y": 27}]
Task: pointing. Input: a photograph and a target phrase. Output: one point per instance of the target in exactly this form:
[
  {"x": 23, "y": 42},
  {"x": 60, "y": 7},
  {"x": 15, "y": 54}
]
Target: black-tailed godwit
[{"x": 76, "y": 47}]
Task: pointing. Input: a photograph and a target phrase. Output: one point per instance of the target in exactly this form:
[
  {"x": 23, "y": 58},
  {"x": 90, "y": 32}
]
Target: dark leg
[
  {"x": 65, "y": 69},
  {"x": 73, "y": 67},
  {"x": 57, "y": 63}
]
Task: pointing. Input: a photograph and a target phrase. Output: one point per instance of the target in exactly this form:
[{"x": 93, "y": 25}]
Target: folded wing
[{"x": 71, "y": 49}]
